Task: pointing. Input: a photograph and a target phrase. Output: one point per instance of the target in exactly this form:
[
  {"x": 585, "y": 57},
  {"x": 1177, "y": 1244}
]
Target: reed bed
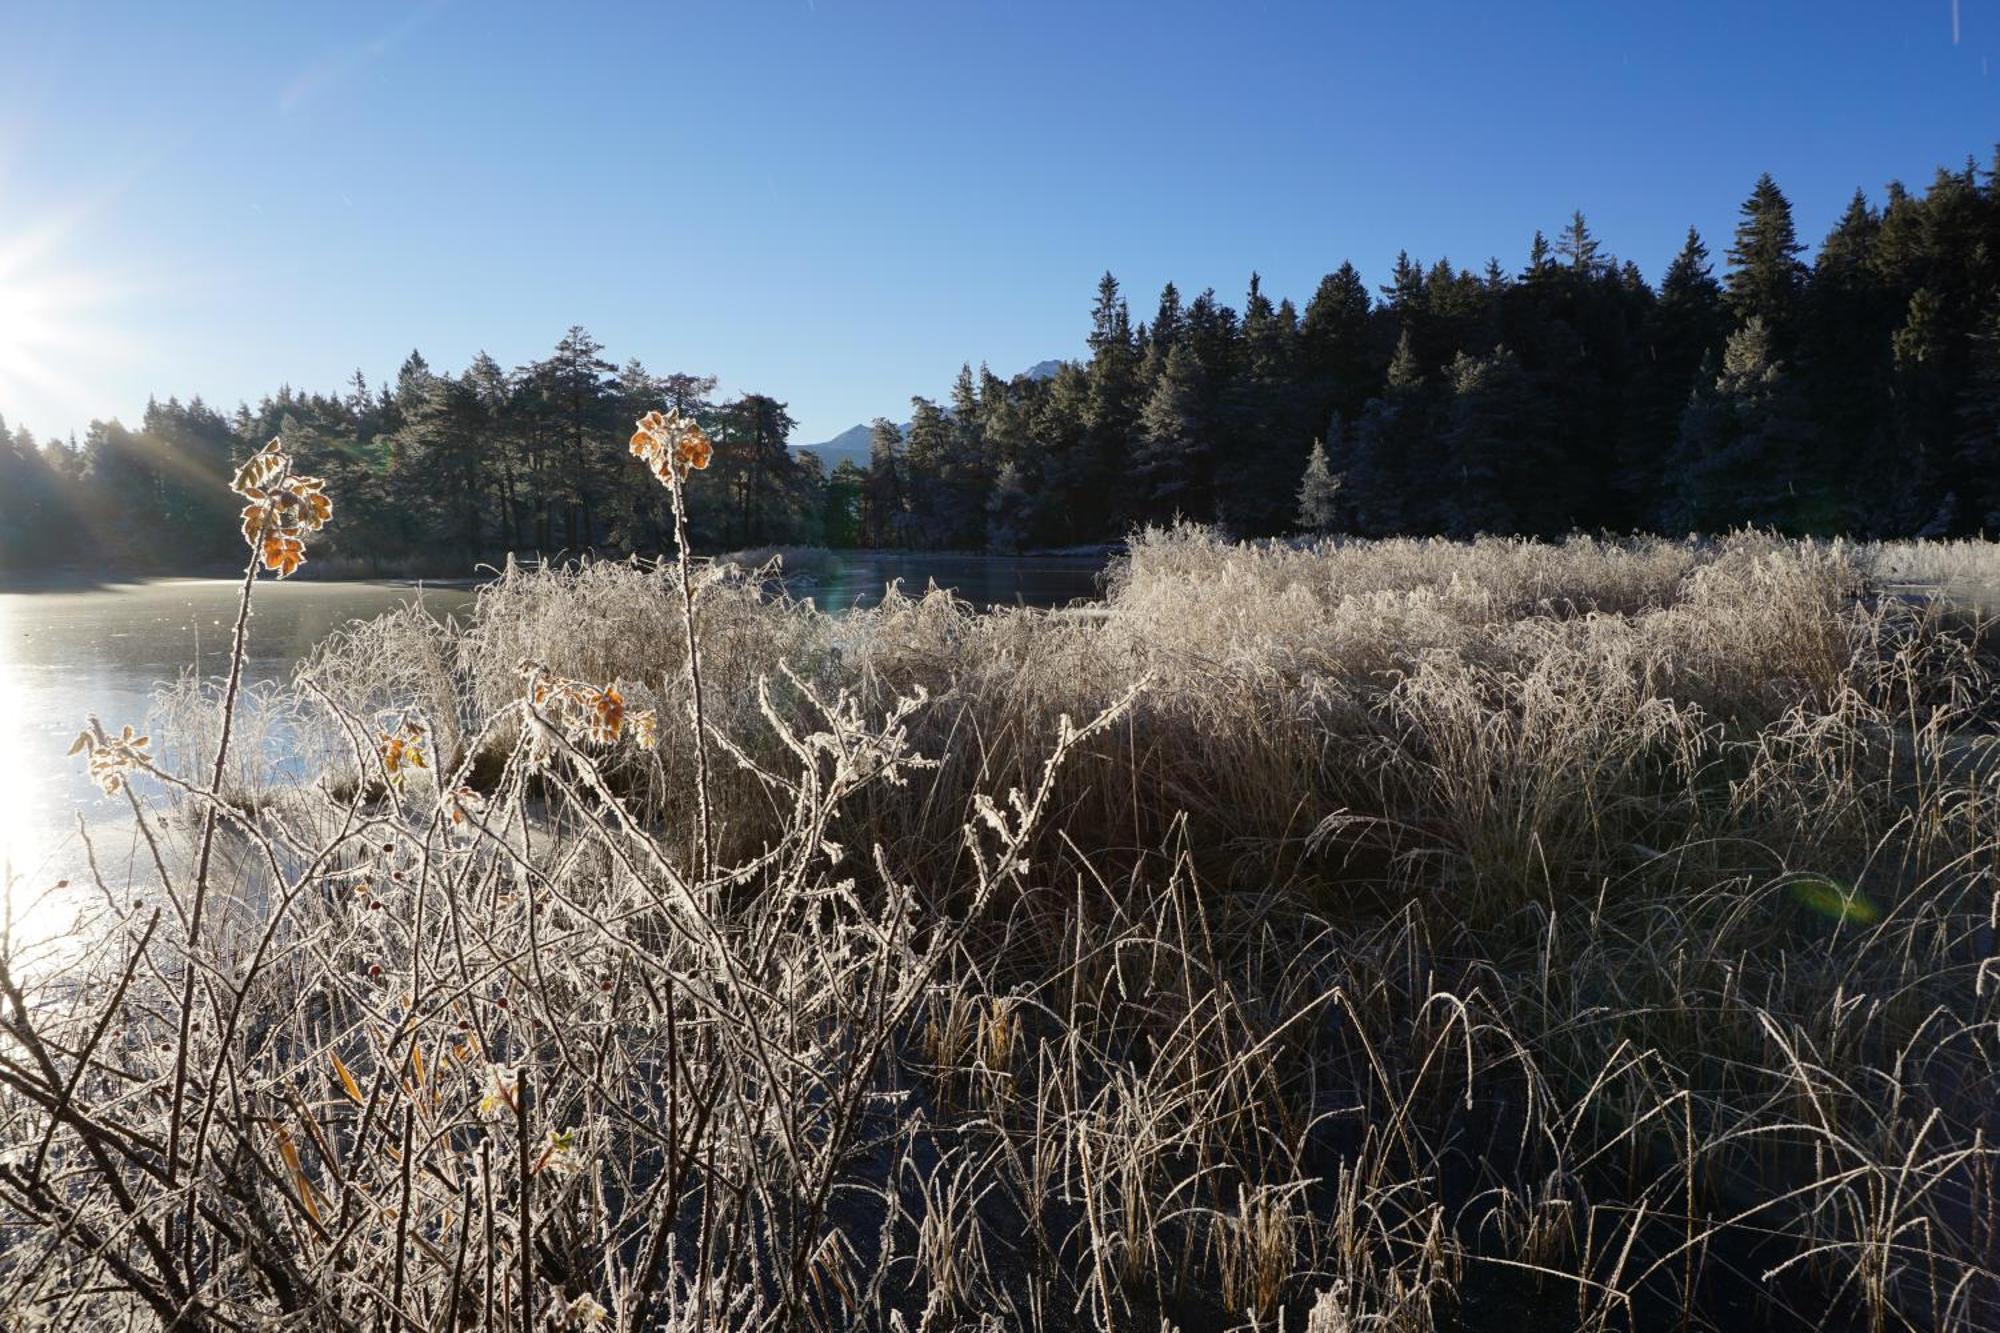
[{"x": 1363, "y": 936}]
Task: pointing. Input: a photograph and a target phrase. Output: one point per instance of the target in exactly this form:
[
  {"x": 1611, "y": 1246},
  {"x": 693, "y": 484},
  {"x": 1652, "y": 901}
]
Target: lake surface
[
  {"x": 847, "y": 579},
  {"x": 68, "y": 653}
]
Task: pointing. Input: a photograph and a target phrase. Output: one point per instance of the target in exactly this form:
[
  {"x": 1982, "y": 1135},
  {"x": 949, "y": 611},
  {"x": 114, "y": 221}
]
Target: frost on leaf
[
  {"x": 282, "y": 508},
  {"x": 671, "y": 445}
]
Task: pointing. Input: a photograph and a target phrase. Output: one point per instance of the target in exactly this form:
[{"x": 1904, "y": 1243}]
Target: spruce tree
[
  {"x": 883, "y": 496},
  {"x": 1844, "y": 344},
  {"x": 966, "y": 471},
  {"x": 1010, "y": 511},
  {"x": 927, "y": 457},
  {"x": 1114, "y": 382},
  {"x": 840, "y": 513},
  {"x": 1500, "y": 458},
  {"x": 1168, "y": 320},
  {"x": 1319, "y": 494},
  {"x": 1580, "y": 249},
  {"x": 1685, "y": 324},
  {"x": 1977, "y": 446},
  {"x": 1059, "y": 423},
  {"x": 1938, "y": 494},
  {"x": 1336, "y": 345},
  {"x": 1171, "y": 457},
  {"x": 1392, "y": 476},
  {"x": 1541, "y": 260},
  {"x": 1849, "y": 248},
  {"x": 1743, "y": 439},
  {"x": 1263, "y": 429},
  {"x": 1765, "y": 275}
]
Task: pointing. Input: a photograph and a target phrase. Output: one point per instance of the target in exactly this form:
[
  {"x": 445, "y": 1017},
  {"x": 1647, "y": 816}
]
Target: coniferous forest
[{"x": 1854, "y": 392}]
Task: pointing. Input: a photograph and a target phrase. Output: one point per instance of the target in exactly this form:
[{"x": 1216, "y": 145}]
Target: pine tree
[
  {"x": 40, "y": 527},
  {"x": 1336, "y": 346},
  {"x": 1765, "y": 275},
  {"x": 1743, "y": 439},
  {"x": 1319, "y": 494},
  {"x": 1500, "y": 458},
  {"x": 190, "y": 450},
  {"x": 1580, "y": 249},
  {"x": 1114, "y": 384},
  {"x": 1392, "y": 476},
  {"x": 966, "y": 472},
  {"x": 1900, "y": 251},
  {"x": 1171, "y": 459},
  {"x": 926, "y": 456},
  {"x": 1059, "y": 423},
  {"x": 1168, "y": 321},
  {"x": 1684, "y": 325},
  {"x": 1404, "y": 291},
  {"x": 1262, "y": 432},
  {"x": 883, "y": 497},
  {"x": 753, "y": 462},
  {"x": 1926, "y": 467},
  {"x": 439, "y": 461},
  {"x": 1978, "y": 441},
  {"x": 1541, "y": 261},
  {"x": 1692, "y": 317},
  {"x": 1849, "y": 248},
  {"x": 841, "y": 515},
  {"x": 1848, "y": 314},
  {"x": 1010, "y": 511},
  {"x": 578, "y": 441}
]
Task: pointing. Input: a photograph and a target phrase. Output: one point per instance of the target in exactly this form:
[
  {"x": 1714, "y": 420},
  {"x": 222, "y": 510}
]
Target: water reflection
[{"x": 841, "y": 580}]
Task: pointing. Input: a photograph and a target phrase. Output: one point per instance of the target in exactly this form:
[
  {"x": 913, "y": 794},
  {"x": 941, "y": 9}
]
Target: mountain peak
[{"x": 852, "y": 443}]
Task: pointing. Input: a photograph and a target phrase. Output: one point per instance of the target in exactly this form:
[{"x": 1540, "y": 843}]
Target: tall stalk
[
  {"x": 204, "y": 852},
  {"x": 703, "y": 840}
]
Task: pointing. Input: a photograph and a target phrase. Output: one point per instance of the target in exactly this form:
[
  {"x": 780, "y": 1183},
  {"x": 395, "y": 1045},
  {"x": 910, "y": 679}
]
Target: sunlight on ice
[
  {"x": 21, "y": 846},
  {"x": 37, "y": 906}
]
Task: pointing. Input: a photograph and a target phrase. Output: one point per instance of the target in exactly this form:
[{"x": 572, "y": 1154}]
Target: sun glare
[
  {"x": 21, "y": 329},
  {"x": 35, "y": 906},
  {"x": 52, "y": 352}
]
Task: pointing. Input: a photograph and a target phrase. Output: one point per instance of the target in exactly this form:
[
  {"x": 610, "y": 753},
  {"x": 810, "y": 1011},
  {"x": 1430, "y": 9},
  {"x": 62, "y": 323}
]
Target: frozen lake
[{"x": 69, "y": 652}]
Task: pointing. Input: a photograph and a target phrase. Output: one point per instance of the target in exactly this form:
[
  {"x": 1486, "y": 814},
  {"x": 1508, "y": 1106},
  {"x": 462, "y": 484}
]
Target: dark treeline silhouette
[
  {"x": 432, "y": 471},
  {"x": 1859, "y": 393}
]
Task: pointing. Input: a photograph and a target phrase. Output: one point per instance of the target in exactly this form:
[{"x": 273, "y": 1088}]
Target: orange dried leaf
[
  {"x": 289, "y": 1151},
  {"x": 347, "y": 1080}
]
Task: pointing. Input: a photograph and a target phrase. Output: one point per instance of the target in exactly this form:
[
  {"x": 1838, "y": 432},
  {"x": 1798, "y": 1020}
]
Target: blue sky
[{"x": 837, "y": 202}]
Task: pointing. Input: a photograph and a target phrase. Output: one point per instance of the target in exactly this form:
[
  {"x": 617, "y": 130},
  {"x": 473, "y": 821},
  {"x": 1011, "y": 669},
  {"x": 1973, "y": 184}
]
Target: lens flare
[{"x": 55, "y": 343}]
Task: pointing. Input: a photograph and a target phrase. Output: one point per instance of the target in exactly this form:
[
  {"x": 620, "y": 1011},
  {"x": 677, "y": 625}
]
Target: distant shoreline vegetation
[
  {"x": 1858, "y": 394},
  {"x": 808, "y": 562}
]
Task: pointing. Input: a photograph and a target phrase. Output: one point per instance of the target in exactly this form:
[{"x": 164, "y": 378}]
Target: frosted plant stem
[
  {"x": 203, "y": 853},
  {"x": 705, "y": 848}
]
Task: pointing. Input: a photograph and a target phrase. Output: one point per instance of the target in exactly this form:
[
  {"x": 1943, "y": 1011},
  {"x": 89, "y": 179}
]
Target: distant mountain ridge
[{"x": 852, "y": 443}]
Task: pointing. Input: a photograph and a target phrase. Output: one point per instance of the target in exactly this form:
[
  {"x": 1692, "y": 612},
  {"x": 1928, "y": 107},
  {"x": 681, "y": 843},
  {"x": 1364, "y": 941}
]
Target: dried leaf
[{"x": 347, "y": 1080}]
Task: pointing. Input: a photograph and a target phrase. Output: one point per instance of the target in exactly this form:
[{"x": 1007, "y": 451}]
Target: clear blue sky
[{"x": 836, "y": 202}]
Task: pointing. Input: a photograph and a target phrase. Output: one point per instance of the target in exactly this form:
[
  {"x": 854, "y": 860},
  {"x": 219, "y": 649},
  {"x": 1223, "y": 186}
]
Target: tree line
[
  {"x": 1857, "y": 393},
  {"x": 433, "y": 470}
]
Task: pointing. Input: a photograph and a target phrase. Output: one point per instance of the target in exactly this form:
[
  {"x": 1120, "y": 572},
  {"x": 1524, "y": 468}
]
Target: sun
[
  {"x": 24, "y": 331},
  {"x": 53, "y": 346}
]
